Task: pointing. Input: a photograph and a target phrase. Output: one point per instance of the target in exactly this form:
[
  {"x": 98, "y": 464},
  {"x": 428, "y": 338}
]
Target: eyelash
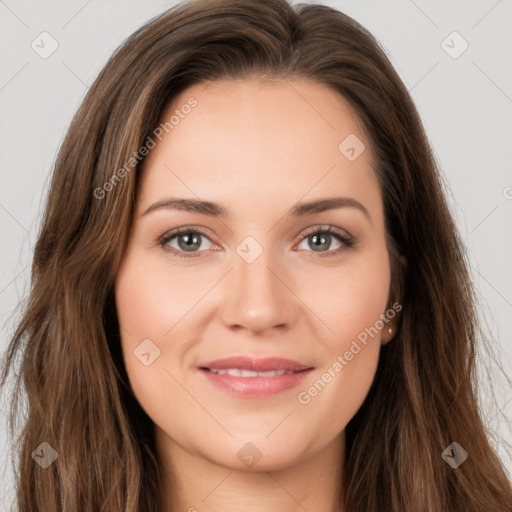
[{"x": 347, "y": 241}]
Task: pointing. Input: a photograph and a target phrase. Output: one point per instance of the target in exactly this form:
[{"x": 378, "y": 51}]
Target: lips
[
  {"x": 248, "y": 377},
  {"x": 269, "y": 364}
]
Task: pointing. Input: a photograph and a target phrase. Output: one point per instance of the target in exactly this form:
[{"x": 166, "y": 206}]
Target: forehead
[{"x": 273, "y": 141}]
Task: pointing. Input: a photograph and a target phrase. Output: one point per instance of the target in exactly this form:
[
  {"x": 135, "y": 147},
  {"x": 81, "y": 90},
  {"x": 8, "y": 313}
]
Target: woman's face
[{"x": 261, "y": 280}]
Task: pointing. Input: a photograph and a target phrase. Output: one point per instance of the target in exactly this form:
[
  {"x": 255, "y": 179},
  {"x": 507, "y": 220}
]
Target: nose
[{"x": 258, "y": 296}]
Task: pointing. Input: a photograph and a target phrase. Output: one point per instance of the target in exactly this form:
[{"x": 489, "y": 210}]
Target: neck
[{"x": 194, "y": 483}]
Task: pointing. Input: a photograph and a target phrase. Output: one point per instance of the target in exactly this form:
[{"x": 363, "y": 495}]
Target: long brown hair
[{"x": 79, "y": 400}]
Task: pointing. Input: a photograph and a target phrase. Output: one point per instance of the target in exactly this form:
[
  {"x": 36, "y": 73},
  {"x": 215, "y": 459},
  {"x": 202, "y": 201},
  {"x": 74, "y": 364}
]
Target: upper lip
[{"x": 257, "y": 365}]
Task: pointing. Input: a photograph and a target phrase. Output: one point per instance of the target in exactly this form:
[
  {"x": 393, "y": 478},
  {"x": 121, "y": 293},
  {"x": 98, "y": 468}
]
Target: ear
[
  {"x": 390, "y": 328},
  {"x": 388, "y": 332},
  {"x": 392, "y": 316}
]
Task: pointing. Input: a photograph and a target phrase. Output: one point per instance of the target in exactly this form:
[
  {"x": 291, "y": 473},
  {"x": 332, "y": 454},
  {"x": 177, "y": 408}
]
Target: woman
[{"x": 248, "y": 290}]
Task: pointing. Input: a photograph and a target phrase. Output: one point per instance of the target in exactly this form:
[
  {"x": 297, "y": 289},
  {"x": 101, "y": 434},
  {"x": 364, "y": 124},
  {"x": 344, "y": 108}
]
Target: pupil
[
  {"x": 188, "y": 237},
  {"x": 318, "y": 237}
]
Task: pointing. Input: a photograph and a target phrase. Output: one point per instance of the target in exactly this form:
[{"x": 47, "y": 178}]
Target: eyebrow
[{"x": 216, "y": 210}]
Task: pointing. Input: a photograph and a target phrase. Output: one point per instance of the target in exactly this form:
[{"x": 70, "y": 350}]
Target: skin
[{"x": 257, "y": 149}]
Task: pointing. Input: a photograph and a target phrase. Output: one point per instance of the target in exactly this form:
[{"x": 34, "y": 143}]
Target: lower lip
[{"x": 256, "y": 386}]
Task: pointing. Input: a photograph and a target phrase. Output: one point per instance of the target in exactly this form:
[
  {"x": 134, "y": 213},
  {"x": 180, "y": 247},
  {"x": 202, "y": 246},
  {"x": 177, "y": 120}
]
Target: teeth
[{"x": 236, "y": 372}]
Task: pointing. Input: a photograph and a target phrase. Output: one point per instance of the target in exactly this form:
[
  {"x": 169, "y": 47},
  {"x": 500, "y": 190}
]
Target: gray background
[{"x": 465, "y": 103}]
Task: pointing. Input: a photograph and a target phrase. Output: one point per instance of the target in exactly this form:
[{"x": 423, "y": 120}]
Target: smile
[
  {"x": 237, "y": 372},
  {"x": 245, "y": 384}
]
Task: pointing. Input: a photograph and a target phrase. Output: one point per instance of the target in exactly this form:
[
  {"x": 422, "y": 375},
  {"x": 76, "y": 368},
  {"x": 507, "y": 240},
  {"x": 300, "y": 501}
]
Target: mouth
[
  {"x": 238, "y": 372},
  {"x": 249, "y": 377}
]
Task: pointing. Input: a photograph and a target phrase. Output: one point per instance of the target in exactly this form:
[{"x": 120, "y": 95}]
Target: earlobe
[
  {"x": 390, "y": 330},
  {"x": 387, "y": 334}
]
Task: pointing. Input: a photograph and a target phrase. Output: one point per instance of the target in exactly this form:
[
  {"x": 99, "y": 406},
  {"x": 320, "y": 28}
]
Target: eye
[
  {"x": 190, "y": 243},
  {"x": 189, "y": 239},
  {"x": 320, "y": 237}
]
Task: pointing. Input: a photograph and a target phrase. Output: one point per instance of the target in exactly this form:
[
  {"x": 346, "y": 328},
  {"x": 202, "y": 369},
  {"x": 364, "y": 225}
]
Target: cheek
[
  {"x": 159, "y": 303},
  {"x": 351, "y": 299},
  {"x": 147, "y": 311},
  {"x": 151, "y": 300},
  {"x": 351, "y": 305},
  {"x": 139, "y": 304}
]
